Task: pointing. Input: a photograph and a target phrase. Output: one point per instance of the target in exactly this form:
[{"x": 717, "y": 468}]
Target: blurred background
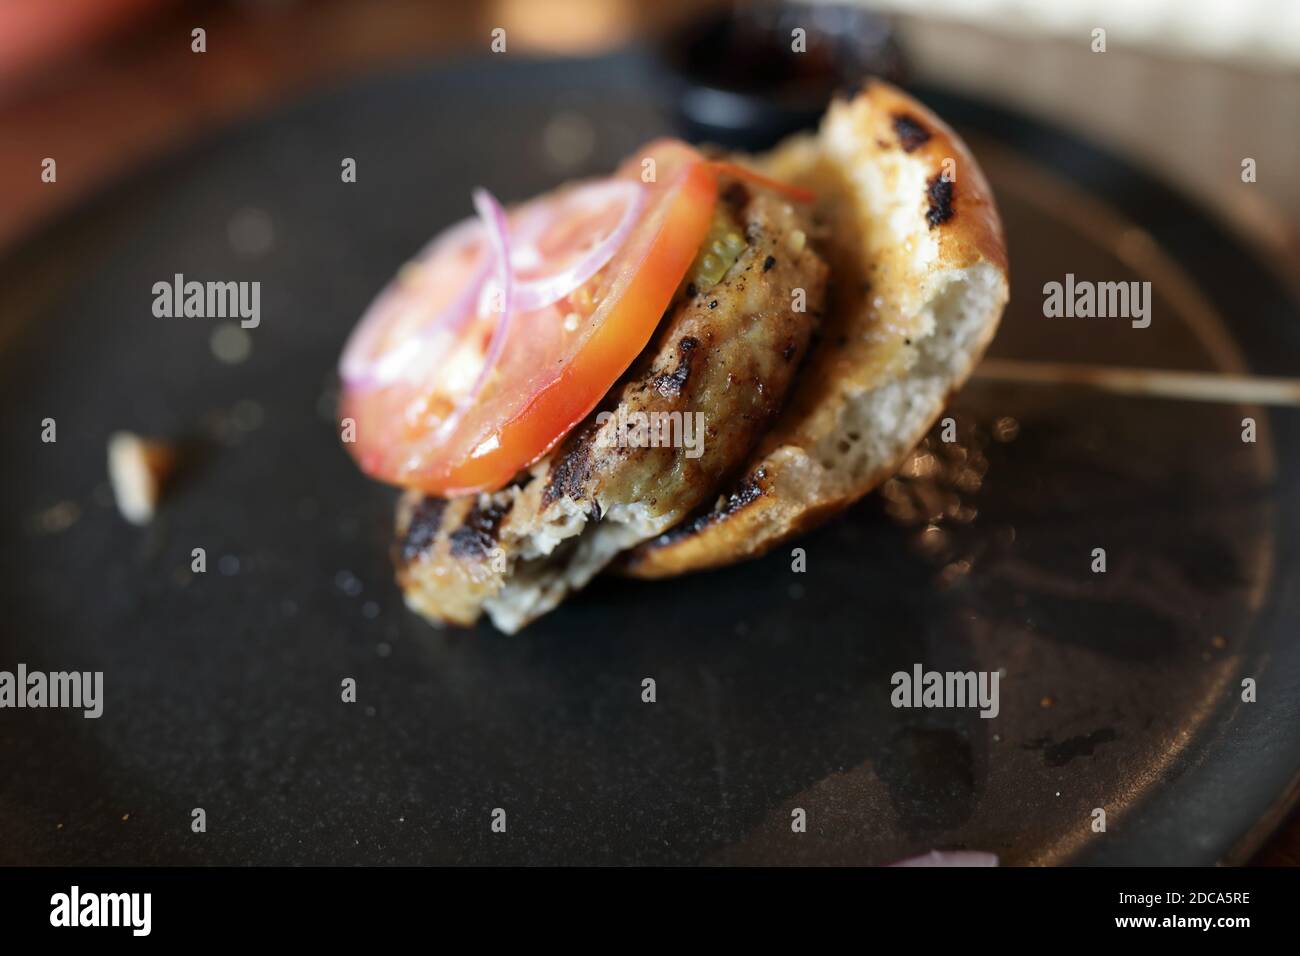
[{"x": 1185, "y": 89}]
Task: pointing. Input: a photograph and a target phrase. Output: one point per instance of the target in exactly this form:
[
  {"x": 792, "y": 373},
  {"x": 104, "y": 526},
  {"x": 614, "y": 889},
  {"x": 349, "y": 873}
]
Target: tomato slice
[
  {"x": 440, "y": 418},
  {"x": 559, "y": 244},
  {"x": 421, "y": 316}
]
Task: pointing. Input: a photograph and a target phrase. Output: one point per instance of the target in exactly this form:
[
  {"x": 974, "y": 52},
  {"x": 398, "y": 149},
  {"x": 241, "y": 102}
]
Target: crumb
[
  {"x": 57, "y": 518},
  {"x": 137, "y": 469}
]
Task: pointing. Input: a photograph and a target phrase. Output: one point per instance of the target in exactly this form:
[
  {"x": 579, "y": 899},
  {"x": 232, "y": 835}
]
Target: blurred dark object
[{"x": 744, "y": 77}]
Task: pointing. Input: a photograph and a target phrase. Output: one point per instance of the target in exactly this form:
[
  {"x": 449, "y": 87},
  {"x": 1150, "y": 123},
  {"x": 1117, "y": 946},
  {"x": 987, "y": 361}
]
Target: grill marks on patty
[
  {"x": 746, "y": 493},
  {"x": 425, "y": 522},
  {"x": 571, "y": 468},
  {"x": 478, "y": 534},
  {"x": 470, "y": 533},
  {"x": 670, "y": 385}
]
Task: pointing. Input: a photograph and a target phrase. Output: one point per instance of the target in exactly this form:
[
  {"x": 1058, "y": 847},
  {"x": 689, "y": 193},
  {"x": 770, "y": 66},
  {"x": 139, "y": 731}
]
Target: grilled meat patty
[{"x": 680, "y": 423}]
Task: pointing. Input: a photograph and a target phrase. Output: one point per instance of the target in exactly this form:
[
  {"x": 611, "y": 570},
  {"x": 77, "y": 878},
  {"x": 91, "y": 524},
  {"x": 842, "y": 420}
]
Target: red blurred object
[{"x": 34, "y": 33}]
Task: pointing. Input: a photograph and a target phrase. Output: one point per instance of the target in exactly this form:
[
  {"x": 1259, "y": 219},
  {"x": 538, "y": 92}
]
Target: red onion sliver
[
  {"x": 538, "y": 293},
  {"x": 498, "y": 231},
  {"x": 363, "y": 371}
]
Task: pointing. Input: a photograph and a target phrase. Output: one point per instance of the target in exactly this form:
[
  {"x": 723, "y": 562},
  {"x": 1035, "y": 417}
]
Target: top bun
[{"x": 918, "y": 284}]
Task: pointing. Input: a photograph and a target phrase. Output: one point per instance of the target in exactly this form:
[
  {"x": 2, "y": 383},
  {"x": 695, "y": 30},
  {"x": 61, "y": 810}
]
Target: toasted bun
[{"x": 918, "y": 284}]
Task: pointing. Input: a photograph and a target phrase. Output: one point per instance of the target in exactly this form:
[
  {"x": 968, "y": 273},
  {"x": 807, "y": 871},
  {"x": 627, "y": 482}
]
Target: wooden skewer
[{"x": 1157, "y": 382}]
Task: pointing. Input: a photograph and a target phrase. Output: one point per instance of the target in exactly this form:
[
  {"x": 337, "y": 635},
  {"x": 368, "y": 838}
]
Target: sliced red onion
[
  {"x": 362, "y": 371},
  {"x": 950, "y": 858},
  {"x": 494, "y": 220},
  {"x": 538, "y": 293}
]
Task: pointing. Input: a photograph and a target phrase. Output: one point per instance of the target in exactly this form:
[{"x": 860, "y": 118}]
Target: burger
[{"x": 677, "y": 367}]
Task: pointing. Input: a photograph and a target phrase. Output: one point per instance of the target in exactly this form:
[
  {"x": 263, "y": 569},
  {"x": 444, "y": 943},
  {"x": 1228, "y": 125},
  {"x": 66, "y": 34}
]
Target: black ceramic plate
[{"x": 223, "y": 688}]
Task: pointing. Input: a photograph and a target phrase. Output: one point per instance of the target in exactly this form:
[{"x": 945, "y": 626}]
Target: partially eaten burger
[{"x": 674, "y": 368}]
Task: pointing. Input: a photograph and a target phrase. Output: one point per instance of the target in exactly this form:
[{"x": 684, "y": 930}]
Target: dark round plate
[{"x": 1121, "y": 691}]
